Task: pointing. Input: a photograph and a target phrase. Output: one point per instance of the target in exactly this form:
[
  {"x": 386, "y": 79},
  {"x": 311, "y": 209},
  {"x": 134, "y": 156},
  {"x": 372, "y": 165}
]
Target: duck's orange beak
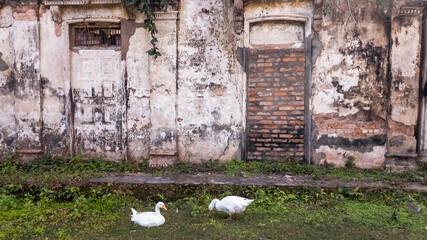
[{"x": 164, "y": 207}]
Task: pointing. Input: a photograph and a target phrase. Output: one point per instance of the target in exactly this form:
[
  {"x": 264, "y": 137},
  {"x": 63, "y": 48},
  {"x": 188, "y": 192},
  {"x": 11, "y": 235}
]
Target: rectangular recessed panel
[
  {"x": 109, "y": 113},
  {"x": 87, "y": 69},
  {"x": 107, "y": 88},
  {"x": 277, "y": 32},
  {"x": 87, "y": 91},
  {"x": 87, "y": 114},
  {"x": 107, "y": 66}
]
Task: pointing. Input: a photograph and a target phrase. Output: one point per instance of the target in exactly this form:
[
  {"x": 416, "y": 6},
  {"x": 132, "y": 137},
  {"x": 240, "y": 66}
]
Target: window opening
[{"x": 91, "y": 35}]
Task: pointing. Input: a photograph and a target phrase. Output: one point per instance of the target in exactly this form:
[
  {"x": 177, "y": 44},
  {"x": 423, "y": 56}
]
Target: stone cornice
[
  {"x": 78, "y": 2},
  {"x": 408, "y": 11},
  {"x": 169, "y": 15}
]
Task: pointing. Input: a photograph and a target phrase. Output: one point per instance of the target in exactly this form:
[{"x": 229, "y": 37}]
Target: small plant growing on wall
[
  {"x": 147, "y": 8},
  {"x": 350, "y": 162}
]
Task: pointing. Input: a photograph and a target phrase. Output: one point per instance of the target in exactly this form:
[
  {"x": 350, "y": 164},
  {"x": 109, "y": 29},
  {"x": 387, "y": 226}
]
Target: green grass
[{"x": 72, "y": 213}]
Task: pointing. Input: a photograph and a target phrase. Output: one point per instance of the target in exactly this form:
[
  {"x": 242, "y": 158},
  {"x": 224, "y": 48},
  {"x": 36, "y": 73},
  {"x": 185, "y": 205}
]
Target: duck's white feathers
[
  {"x": 233, "y": 204},
  {"x": 149, "y": 219}
]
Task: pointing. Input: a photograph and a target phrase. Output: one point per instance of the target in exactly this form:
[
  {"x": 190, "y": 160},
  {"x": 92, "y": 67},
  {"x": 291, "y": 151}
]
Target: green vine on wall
[{"x": 146, "y": 7}]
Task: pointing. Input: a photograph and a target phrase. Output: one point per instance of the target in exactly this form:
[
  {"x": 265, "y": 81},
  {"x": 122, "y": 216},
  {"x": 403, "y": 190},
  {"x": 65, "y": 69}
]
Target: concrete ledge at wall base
[
  {"x": 401, "y": 163},
  {"x": 271, "y": 180},
  {"x": 422, "y": 157},
  {"x": 28, "y": 155},
  {"x": 162, "y": 159}
]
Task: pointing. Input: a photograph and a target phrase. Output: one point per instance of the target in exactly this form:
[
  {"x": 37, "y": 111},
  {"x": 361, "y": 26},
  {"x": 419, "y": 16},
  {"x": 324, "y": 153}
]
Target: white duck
[
  {"x": 232, "y": 205},
  {"x": 149, "y": 219}
]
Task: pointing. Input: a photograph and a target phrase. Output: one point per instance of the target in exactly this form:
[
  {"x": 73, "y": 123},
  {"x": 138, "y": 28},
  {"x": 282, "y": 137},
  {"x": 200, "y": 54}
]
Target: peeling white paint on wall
[
  {"x": 338, "y": 157},
  {"x": 207, "y": 82}
]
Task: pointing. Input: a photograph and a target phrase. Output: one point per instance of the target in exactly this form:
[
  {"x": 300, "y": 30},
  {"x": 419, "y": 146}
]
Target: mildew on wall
[
  {"x": 138, "y": 89},
  {"x": 26, "y": 78},
  {"x": 210, "y": 99},
  {"x": 56, "y": 137},
  {"x": 350, "y": 86},
  {"x": 7, "y": 116}
]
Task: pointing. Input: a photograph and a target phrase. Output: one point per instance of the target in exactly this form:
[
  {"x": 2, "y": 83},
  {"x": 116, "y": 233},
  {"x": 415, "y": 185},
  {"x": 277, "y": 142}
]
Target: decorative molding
[
  {"x": 238, "y": 16},
  {"x": 169, "y": 15},
  {"x": 92, "y": 18},
  {"x": 298, "y": 18},
  {"x": 408, "y": 11},
  {"x": 78, "y": 2},
  {"x": 318, "y": 15}
]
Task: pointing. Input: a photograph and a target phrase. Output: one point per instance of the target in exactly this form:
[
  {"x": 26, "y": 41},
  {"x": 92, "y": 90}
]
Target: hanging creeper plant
[{"x": 146, "y": 7}]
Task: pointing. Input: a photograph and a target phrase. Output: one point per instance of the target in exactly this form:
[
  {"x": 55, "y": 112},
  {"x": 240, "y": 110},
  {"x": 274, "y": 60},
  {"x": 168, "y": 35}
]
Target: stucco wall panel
[
  {"x": 349, "y": 86},
  {"x": 7, "y": 116},
  {"x": 25, "y": 38},
  {"x": 139, "y": 85},
  {"x": 52, "y": 50},
  {"x": 209, "y": 110},
  {"x": 406, "y": 32}
]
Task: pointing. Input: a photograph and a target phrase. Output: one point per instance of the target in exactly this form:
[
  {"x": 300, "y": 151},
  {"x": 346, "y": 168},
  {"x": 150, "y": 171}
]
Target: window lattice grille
[{"x": 97, "y": 36}]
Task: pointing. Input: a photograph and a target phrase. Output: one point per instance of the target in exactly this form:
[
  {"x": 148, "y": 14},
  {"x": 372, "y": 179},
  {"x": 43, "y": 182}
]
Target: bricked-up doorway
[{"x": 275, "y": 112}]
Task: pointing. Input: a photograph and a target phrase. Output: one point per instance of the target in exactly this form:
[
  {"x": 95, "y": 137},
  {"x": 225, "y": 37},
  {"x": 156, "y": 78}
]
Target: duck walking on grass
[
  {"x": 149, "y": 219},
  {"x": 232, "y": 205}
]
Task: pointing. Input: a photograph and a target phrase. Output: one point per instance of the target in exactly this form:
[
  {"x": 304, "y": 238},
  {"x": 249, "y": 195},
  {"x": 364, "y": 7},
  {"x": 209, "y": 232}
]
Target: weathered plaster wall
[
  {"x": 350, "y": 86},
  {"x": 210, "y": 97},
  {"x": 26, "y": 77},
  {"x": 53, "y": 48},
  {"x": 138, "y": 92},
  {"x": 406, "y": 32},
  {"x": 191, "y": 102},
  {"x": 7, "y": 116},
  {"x": 405, "y": 58},
  {"x": 163, "y": 93}
]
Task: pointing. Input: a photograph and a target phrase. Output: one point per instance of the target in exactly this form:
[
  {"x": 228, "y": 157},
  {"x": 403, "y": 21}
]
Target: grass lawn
[
  {"x": 306, "y": 214},
  {"x": 45, "y": 200}
]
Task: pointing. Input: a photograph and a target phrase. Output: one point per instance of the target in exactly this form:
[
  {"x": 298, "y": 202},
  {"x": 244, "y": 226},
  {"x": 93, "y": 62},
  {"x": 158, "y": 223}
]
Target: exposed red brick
[
  {"x": 264, "y": 64},
  {"x": 279, "y": 113},
  {"x": 289, "y": 59},
  {"x": 271, "y": 51},
  {"x": 276, "y": 104},
  {"x": 270, "y": 126},
  {"x": 286, "y": 108}
]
